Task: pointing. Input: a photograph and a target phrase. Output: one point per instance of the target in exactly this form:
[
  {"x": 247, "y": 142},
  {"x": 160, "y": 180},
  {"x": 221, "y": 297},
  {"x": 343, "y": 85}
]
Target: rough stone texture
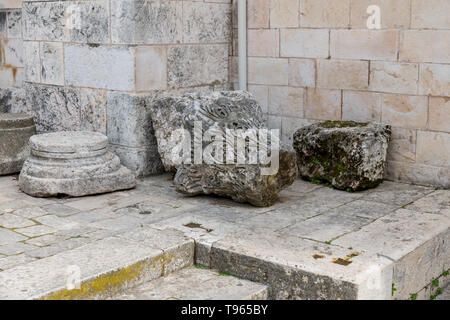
[
  {"x": 74, "y": 164},
  {"x": 196, "y": 284},
  {"x": 58, "y": 108},
  {"x": 347, "y": 154},
  {"x": 191, "y": 66},
  {"x": 249, "y": 242},
  {"x": 243, "y": 183},
  {"x": 167, "y": 116},
  {"x": 15, "y": 130},
  {"x": 131, "y": 134},
  {"x": 13, "y": 100},
  {"x": 146, "y": 21}
]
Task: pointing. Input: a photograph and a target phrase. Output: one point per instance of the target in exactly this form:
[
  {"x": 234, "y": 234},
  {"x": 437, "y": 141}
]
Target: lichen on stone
[{"x": 347, "y": 154}]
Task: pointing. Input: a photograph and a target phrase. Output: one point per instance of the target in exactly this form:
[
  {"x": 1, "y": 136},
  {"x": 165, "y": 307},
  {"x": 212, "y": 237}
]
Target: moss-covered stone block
[{"x": 349, "y": 155}]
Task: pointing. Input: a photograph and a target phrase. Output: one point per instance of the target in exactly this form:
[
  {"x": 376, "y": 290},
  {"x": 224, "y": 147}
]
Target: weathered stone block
[
  {"x": 347, "y": 154},
  {"x": 94, "y": 22},
  {"x": 142, "y": 161},
  {"x": 405, "y": 111},
  {"x": 13, "y": 100},
  {"x": 206, "y": 22},
  {"x": 425, "y": 46},
  {"x": 15, "y": 130},
  {"x": 12, "y": 52},
  {"x": 304, "y": 43},
  {"x": 45, "y": 21},
  {"x": 324, "y": 13},
  {"x": 151, "y": 68},
  {"x": 394, "y": 77},
  {"x": 74, "y": 164},
  {"x": 58, "y": 108},
  {"x": 268, "y": 71},
  {"x": 100, "y": 67},
  {"x": 302, "y": 73},
  {"x": 3, "y": 23},
  {"x": 286, "y": 101},
  {"x": 364, "y": 44},
  {"x": 146, "y": 21},
  {"x": 195, "y": 65},
  {"x": 263, "y": 43},
  {"x": 433, "y": 148},
  {"x": 258, "y": 13},
  {"x": 361, "y": 106},
  {"x": 342, "y": 74},
  {"x": 284, "y": 13},
  {"x": 14, "y": 24},
  {"x": 323, "y": 104},
  {"x": 439, "y": 114},
  {"x": 432, "y": 14},
  {"x": 245, "y": 182},
  {"x": 167, "y": 116},
  {"x": 32, "y": 61},
  {"x": 434, "y": 80},
  {"x": 129, "y": 122},
  {"x": 52, "y": 69}
]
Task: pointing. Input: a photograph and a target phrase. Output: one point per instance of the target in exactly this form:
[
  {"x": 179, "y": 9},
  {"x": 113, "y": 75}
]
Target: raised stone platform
[
  {"x": 15, "y": 131},
  {"x": 74, "y": 164},
  {"x": 391, "y": 242}
]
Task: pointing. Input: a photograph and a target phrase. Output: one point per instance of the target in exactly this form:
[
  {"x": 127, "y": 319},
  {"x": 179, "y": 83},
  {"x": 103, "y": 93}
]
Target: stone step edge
[
  {"x": 259, "y": 292},
  {"x": 358, "y": 284},
  {"x": 111, "y": 282}
]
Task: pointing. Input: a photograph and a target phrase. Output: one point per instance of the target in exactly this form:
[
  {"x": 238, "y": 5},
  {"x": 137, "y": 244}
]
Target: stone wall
[
  {"x": 11, "y": 57},
  {"x": 94, "y": 65},
  {"x": 313, "y": 60}
]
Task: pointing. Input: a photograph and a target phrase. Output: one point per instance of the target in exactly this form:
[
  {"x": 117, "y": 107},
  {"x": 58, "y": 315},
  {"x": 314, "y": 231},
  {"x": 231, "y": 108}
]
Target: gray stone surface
[
  {"x": 45, "y": 20},
  {"x": 131, "y": 134},
  {"x": 74, "y": 163},
  {"x": 223, "y": 111},
  {"x": 146, "y": 22},
  {"x": 14, "y": 23},
  {"x": 94, "y": 26},
  {"x": 196, "y": 284},
  {"x": 13, "y": 100},
  {"x": 58, "y": 108},
  {"x": 15, "y": 131},
  {"x": 99, "y": 67},
  {"x": 196, "y": 65},
  {"x": 167, "y": 116},
  {"x": 206, "y": 22},
  {"x": 347, "y": 154},
  {"x": 406, "y": 247}
]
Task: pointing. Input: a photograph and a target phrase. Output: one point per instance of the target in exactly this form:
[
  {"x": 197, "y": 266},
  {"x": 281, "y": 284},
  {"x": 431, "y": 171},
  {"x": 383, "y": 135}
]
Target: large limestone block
[
  {"x": 72, "y": 163},
  {"x": 15, "y": 130},
  {"x": 347, "y": 154},
  {"x": 244, "y": 181}
]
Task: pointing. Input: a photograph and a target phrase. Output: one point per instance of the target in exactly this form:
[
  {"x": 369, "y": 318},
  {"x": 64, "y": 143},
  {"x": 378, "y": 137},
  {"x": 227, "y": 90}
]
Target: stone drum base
[
  {"x": 74, "y": 164},
  {"x": 15, "y": 131}
]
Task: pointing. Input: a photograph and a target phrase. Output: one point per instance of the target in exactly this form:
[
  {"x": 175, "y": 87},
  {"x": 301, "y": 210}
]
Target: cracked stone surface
[
  {"x": 398, "y": 237},
  {"x": 15, "y": 131},
  {"x": 221, "y": 114},
  {"x": 347, "y": 154},
  {"x": 73, "y": 163}
]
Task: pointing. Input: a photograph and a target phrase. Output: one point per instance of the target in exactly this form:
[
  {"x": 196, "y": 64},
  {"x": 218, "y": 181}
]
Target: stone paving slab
[
  {"x": 196, "y": 284},
  {"x": 399, "y": 231},
  {"x": 104, "y": 266}
]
